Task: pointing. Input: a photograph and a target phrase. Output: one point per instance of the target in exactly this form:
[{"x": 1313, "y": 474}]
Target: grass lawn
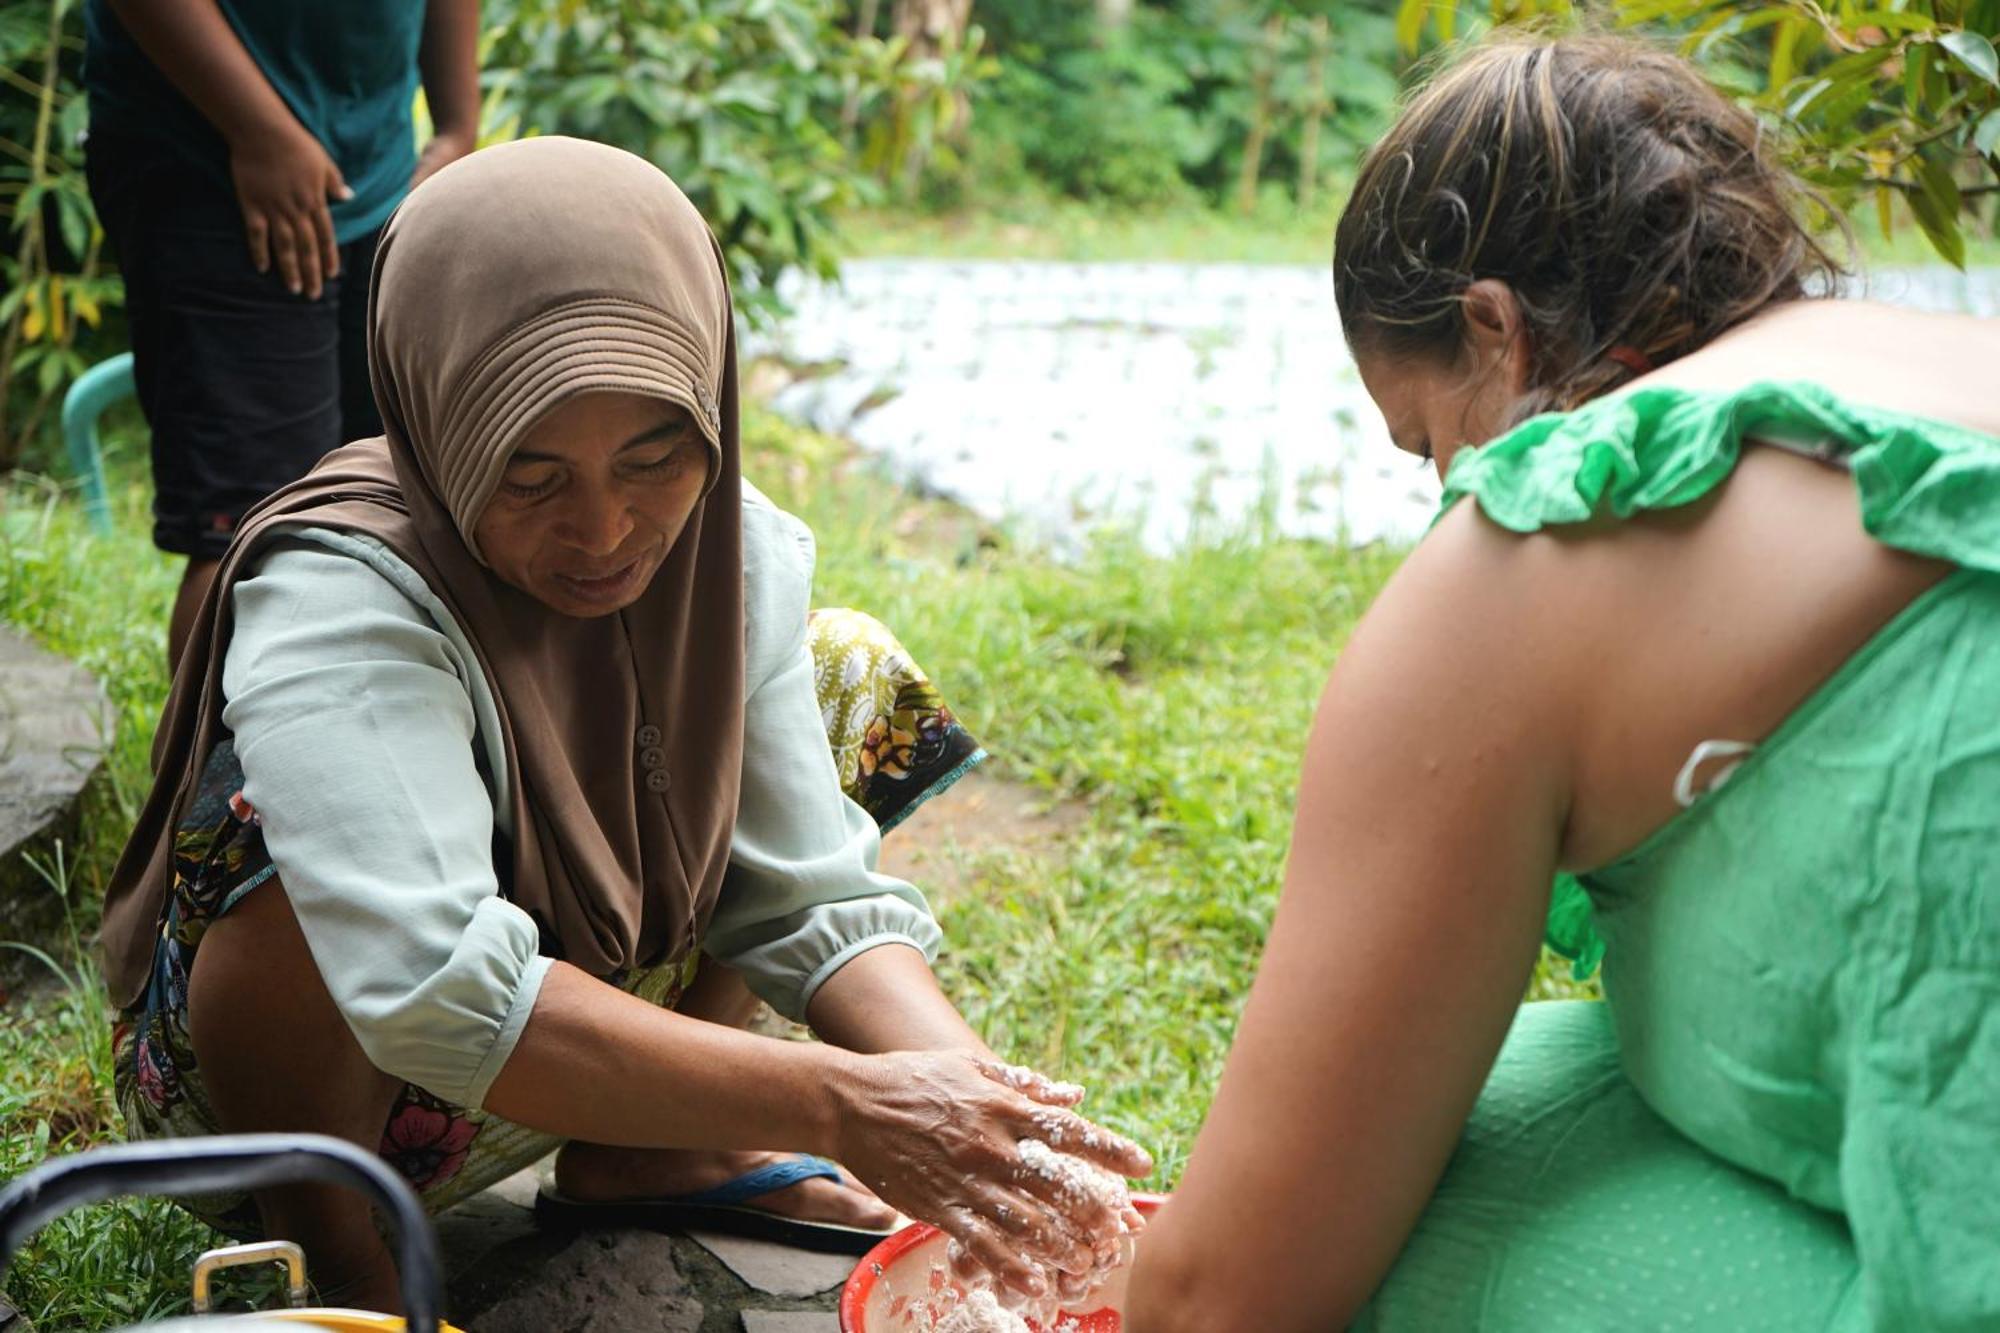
[
  {"x": 1172, "y": 696},
  {"x": 1062, "y": 229}
]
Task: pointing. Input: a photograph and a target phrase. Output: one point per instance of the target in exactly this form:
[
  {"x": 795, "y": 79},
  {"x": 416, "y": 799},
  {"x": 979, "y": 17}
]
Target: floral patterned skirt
[{"x": 895, "y": 745}]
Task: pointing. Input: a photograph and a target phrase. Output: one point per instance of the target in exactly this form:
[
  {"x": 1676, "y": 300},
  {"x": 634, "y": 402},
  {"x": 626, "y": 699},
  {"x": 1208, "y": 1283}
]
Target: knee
[
  {"x": 252, "y": 962},
  {"x": 257, "y": 1003}
]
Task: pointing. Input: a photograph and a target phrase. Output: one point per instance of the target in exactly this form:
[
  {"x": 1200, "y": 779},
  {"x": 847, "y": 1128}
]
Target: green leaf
[
  {"x": 1892, "y": 20},
  {"x": 1986, "y": 138},
  {"x": 1939, "y": 185},
  {"x": 1935, "y": 204},
  {"x": 1913, "y": 76},
  {"x": 74, "y": 222},
  {"x": 1784, "y": 50},
  {"x": 1837, "y": 110},
  {"x": 1410, "y": 16},
  {"x": 29, "y": 205},
  {"x": 1942, "y": 231},
  {"x": 1813, "y": 92},
  {"x": 1975, "y": 52}
]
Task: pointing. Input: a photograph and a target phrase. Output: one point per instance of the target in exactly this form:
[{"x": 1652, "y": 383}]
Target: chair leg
[{"x": 96, "y": 389}]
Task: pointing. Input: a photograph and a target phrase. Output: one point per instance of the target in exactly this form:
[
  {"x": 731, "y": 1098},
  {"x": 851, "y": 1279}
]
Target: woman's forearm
[
  {"x": 597, "y": 1064},
  {"x": 887, "y": 1000}
]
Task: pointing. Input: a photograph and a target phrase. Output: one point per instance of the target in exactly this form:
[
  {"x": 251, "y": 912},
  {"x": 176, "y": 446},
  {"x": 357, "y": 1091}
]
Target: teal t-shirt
[{"x": 346, "y": 68}]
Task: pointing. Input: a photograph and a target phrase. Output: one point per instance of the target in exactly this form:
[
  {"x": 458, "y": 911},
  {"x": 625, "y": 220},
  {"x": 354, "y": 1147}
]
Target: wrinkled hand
[
  {"x": 936, "y": 1134},
  {"x": 445, "y": 147},
  {"x": 284, "y": 178}
]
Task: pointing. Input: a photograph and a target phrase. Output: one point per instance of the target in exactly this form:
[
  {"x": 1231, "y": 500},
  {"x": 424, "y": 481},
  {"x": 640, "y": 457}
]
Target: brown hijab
[{"x": 511, "y": 280}]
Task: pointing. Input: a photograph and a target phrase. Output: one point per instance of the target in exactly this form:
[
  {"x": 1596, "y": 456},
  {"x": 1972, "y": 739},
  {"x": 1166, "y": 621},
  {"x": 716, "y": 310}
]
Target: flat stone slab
[
  {"x": 600, "y": 1282},
  {"x": 506, "y": 1273},
  {"x": 11, "y": 1319},
  {"x": 55, "y": 726},
  {"x": 777, "y": 1270},
  {"x": 789, "y": 1321}
]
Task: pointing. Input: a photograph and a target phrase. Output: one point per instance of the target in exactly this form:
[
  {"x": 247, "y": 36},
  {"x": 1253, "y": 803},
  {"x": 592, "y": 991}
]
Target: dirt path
[{"x": 941, "y": 847}]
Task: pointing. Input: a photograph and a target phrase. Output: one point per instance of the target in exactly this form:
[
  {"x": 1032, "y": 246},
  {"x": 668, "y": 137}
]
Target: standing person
[
  {"x": 243, "y": 155},
  {"x": 1752, "y": 536}
]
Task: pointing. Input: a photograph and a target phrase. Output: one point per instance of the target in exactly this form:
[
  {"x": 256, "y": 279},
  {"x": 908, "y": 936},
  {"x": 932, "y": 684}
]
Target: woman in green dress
[{"x": 1750, "y": 539}]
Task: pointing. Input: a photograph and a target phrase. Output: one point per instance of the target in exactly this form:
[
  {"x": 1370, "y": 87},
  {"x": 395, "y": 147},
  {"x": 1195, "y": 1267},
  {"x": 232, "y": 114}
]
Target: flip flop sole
[{"x": 729, "y": 1219}]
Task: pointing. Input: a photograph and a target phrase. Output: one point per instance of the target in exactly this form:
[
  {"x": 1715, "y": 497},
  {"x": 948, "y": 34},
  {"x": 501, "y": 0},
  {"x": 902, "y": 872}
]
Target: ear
[{"x": 1496, "y": 332}]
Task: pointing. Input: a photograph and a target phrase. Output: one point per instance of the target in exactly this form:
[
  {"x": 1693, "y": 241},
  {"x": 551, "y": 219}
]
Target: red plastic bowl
[{"x": 900, "y": 1268}]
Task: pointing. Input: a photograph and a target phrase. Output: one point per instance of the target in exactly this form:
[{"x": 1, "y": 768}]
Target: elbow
[
  {"x": 428, "y": 1065},
  {"x": 1172, "y": 1293},
  {"x": 1156, "y": 1301},
  {"x": 426, "y": 1044}
]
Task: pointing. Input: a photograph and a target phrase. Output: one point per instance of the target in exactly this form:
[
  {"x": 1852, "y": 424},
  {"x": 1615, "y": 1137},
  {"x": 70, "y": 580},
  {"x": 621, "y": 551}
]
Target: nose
[{"x": 596, "y": 526}]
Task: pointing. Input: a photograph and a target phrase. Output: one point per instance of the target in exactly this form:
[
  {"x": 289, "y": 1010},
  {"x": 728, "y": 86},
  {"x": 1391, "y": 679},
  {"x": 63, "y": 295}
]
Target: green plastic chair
[{"x": 96, "y": 389}]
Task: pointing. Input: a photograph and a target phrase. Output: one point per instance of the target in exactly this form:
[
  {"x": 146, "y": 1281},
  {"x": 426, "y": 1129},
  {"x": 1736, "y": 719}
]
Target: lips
[{"x": 602, "y": 587}]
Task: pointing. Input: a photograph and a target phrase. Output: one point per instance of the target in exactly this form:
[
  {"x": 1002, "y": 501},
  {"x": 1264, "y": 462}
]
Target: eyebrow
[{"x": 666, "y": 430}]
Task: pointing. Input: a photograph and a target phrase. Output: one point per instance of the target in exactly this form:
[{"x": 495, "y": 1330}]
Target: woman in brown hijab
[{"x": 494, "y": 725}]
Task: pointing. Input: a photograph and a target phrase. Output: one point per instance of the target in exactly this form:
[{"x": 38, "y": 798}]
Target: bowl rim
[{"x": 854, "y": 1292}]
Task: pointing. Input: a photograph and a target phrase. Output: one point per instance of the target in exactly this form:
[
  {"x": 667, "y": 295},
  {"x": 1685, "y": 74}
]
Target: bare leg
[
  {"x": 595, "y": 1171},
  {"x": 194, "y": 586},
  {"x": 276, "y": 1055}
]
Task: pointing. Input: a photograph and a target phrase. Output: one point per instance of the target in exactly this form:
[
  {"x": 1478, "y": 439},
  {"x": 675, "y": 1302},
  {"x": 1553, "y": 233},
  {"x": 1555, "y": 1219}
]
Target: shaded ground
[{"x": 942, "y": 848}]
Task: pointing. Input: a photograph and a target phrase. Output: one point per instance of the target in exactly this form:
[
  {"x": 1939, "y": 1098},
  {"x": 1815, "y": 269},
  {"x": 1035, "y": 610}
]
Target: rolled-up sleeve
[
  {"x": 802, "y": 897},
  {"x": 356, "y": 733}
]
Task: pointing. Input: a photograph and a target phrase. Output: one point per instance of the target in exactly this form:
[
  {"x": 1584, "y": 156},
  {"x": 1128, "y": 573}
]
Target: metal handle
[
  {"x": 228, "y": 1162},
  {"x": 263, "y": 1252}
]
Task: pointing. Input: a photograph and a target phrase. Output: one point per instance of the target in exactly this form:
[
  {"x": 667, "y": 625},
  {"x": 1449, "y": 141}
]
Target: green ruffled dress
[{"x": 1787, "y": 1112}]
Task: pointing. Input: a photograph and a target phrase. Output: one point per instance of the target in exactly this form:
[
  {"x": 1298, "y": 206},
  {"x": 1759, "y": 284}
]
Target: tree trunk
[
  {"x": 1316, "y": 109},
  {"x": 1113, "y": 15},
  {"x": 934, "y": 28},
  {"x": 850, "y": 110},
  {"x": 1262, "y": 73}
]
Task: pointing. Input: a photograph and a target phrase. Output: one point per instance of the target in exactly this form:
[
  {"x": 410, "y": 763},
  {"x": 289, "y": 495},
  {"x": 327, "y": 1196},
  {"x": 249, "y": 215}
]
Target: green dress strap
[{"x": 1927, "y": 487}]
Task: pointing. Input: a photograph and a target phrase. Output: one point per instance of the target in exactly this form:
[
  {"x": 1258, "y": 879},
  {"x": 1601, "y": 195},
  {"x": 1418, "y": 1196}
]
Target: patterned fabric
[{"x": 894, "y": 742}]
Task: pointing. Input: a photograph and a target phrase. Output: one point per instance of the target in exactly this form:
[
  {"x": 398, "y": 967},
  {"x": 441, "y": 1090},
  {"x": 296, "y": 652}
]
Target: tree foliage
[
  {"x": 55, "y": 294},
  {"x": 1146, "y": 103},
  {"x": 772, "y": 114},
  {"x": 1894, "y": 103}
]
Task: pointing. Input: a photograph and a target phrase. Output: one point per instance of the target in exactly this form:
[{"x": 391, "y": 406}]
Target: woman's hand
[{"x": 937, "y": 1135}]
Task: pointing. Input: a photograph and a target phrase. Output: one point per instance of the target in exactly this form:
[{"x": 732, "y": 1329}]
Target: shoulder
[
  {"x": 778, "y": 557},
  {"x": 315, "y": 595},
  {"x": 776, "y": 544}
]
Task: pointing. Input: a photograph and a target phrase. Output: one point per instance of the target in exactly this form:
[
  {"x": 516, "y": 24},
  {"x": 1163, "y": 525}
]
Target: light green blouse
[{"x": 371, "y": 749}]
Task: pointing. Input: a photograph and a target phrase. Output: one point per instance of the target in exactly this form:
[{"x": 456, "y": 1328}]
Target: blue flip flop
[{"x": 722, "y": 1209}]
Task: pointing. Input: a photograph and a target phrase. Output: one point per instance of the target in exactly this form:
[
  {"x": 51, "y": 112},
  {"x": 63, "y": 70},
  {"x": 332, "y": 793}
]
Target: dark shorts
[{"x": 245, "y": 385}]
